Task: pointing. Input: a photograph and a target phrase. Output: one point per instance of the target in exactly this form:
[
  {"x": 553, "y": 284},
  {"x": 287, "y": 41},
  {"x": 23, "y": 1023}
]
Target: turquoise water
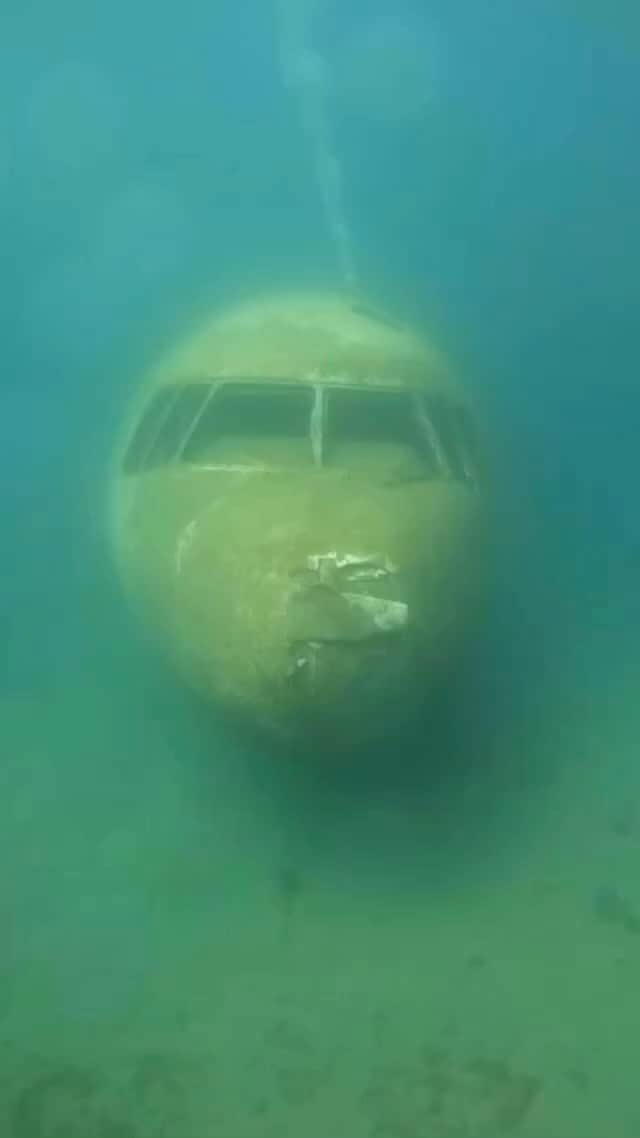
[{"x": 194, "y": 944}]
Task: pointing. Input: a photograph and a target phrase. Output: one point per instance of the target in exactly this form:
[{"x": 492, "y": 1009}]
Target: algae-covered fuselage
[{"x": 295, "y": 506}]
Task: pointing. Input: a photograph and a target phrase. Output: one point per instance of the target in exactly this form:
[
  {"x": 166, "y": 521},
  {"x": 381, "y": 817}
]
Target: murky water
[{"x": 195, "y": 942}]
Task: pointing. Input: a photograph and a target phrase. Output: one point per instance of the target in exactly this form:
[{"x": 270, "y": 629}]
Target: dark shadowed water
[{"x": 193, "y": 944}]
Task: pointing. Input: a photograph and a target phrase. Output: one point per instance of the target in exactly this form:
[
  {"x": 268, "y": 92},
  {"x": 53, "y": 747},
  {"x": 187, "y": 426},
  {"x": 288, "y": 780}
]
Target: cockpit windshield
[{"x": 392, "y": 434}]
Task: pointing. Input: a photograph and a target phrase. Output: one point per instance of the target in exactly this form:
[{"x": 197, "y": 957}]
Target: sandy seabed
[{"x": 187, "y": 953}]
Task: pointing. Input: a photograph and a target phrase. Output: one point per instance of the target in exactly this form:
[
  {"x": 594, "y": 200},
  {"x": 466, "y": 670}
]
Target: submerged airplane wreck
[{"x": 296, "y": 510}]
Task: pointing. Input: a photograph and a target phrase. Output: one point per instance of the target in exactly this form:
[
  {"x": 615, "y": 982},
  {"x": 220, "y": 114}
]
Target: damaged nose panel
[{"x": 346, "y": 599}]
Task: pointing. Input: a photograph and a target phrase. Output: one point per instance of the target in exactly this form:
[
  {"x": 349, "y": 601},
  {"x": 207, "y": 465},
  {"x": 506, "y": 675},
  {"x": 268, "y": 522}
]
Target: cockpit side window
[
  {"x": 164, "y": 426},
  {"x": 452, "y": 427},
  {"x": 141, "y": 445}
]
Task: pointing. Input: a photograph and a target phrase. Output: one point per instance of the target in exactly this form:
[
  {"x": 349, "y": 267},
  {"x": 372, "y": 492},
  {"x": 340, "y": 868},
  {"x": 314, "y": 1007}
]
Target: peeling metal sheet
[
  {"x": 363, "y": 566},
  {"x": 386, "y": 616},
  {"x": 333, "y": 599}
]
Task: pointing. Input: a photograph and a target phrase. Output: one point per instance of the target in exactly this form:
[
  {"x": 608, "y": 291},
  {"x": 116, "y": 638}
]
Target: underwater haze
[{"x": 194, "y": 942}]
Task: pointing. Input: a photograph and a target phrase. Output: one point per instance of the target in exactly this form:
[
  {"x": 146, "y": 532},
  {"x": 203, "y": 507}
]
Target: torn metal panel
[
  {"x": 363, "y": 566},
  {"x": 384, "y": 615},
  {"x": 333, "y": 599}
]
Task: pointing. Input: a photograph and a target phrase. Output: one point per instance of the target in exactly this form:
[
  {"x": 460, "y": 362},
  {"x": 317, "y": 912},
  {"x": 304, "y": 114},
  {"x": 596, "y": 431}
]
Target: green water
[{"x": 196, "y": 943}]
